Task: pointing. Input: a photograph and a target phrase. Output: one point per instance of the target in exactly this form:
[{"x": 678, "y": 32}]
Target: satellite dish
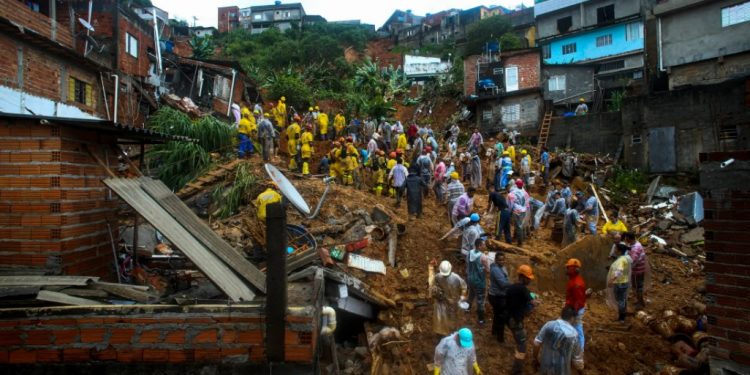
[
  {"x": 86, "y": 24},
  {"x": 287, "y": 189}
]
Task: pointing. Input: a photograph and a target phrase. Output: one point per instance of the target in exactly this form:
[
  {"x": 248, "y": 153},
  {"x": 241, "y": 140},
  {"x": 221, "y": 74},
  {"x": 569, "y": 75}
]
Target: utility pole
[{"x": 194, "y": 19}]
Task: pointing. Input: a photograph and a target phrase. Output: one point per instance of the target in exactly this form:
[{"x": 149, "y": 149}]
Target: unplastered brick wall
[
  {"x": 136, "y": 66},
  {"x": 19, "y": 14},
  {"x": 528, "y": 68},
  {"x": 470, "y": 75},
  {"x": 54, "y": 209},
  {"x": 727, "y": 217},
  {"x": 147, "y": 334}
]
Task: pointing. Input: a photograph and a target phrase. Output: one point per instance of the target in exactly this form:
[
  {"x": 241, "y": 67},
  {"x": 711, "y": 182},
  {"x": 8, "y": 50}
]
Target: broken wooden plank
[
  {"x": 46, "y": 280},
  {"x": 85, "y": 293},
  {"x": 215, "y": 270},
  {"x": 392, "y": 244},
  {"x": 15, "y": 291},
  {"x": 62, "y": 298},
  {"x": 599, "y": 202},
  {"x": 122, "y": 290},
  {"x": 182, "y": 214}
]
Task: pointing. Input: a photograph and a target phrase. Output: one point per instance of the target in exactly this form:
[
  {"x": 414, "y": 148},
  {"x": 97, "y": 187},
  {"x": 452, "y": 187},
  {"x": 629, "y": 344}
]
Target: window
[
  {"x": 511, "y": 78},
  {"x": 564, "y": 24},
  {"x": 221, "y": 87},
  {"x": 557, "y": 83},
  {"x": 635, "y": 139},
  {"x": 546, "y": 52},
  {"x": 131, "y": 45},
  {"x": 638, "y": 74},
  {"x": 735, "y": 14},
  {"x": 604, "y": 40},
  {"x": 634, "y": 31},
  {"x": 568, "y": 48},
  {"x": 80, "y": 92},
  {"x": 258, "y": 17},
  {"x": 511, "y": 113},
  {"x": 605, "y": 14},
  {"x": 487, "y": 115}
]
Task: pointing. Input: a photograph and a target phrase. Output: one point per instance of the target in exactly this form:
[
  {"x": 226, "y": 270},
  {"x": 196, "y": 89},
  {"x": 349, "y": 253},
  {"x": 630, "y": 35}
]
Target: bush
[{"x": 292, "y": 87}]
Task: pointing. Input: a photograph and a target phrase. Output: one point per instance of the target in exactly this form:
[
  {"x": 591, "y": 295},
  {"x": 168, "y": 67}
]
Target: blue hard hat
[
  {"x": 465, "y": 337},
  {"x": 474, "y": 217}
]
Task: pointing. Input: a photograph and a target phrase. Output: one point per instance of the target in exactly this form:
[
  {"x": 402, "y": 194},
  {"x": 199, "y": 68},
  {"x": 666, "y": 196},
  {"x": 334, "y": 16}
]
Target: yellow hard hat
[
  {"x": 582, "y": 100},
  {"x": 257, "y": 111},
  {"x": 310, "y": 109},
  {"x": 506, "y": 153},
  {"x": 283, "y": 98},
  {"x": 525, "y": 270},
  {"x": 454, "y": 175},
  {"x": 523, "y": 152},
  {"x": 245, "y": 111},
  {"x": 317, "y": 108}
]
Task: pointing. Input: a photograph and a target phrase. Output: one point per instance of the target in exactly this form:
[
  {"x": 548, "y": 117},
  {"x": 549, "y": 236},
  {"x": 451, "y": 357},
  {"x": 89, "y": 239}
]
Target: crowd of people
[{"x": 396, "y": 161}]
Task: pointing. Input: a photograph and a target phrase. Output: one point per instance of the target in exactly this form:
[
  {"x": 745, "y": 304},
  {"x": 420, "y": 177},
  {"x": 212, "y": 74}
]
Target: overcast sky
[{"x": 369, "y": 11}]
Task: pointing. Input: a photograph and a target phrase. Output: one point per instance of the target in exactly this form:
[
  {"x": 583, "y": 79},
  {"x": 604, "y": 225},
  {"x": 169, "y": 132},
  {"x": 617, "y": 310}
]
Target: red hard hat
[
  {"x": 349, "y": 138},
  {"x": 428, "y": 148},
  {"x": 519, "y": 183}
]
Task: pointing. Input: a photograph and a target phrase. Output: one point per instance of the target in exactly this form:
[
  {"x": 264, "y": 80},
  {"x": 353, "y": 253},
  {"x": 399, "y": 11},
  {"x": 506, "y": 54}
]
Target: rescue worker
[
  {"x": 455, "y": 355},
  {"x": 243, "y": 133},
  {"x": 388, "y": 168},
  {"x": 525, "y": 166},
  {"x": 618, "y": 282},
  {"x": 270, "y": 195},
  {"x": 306, "y": 149},
  {"x": 570, "y": 226},
  {"x": 575, "y": 295},
  {"x": 378, "y": 165},
  {"x": 292, "y": 142},
  {"x": 507, "y": 170},
  {"x": 519, "y": 202},
  {"x": 281, "y": 113},
  {"x": 520, "y": 304},
  {"x": 350, "y": 160},
  {"x": 511, "y": 149},
  {"x": 401, "y": 142},
  {"x": 560, "y": 346},
  {"x": 544, "y": 161},
  {"x": 336, "y": 164},
  {"x": 339, "y": 123},
  {"x": 477, "y": 266},
  {"x": 447, "y": 289},
  {"x": 267, "y": 135},
  {"x": 323, "y": 125}
]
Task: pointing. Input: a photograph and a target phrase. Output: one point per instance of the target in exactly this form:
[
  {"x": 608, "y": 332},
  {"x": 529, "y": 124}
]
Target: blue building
[{"x": 605, "y": 35}]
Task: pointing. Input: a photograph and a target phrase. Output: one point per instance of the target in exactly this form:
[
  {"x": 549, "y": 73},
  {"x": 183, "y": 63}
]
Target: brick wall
[
  {"x": 709, "y": 71},
  {"x": 226, "y": 23},
  {"x": 528, "y": 68},
  {"x": 16, "y": 12},
  {"x": 45, "y": 74},
  {"x": 470, "y": 75},
  {"x": 182, "y": 46},
  {"x": 153, "y": 335},
  {"x": 54, "y": 208},
  {"x": 727, "y": 217},
  {"x": 127, "y": 63}
]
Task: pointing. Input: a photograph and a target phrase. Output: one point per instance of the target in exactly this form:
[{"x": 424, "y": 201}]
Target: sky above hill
[{"x": 368, "y": 11}]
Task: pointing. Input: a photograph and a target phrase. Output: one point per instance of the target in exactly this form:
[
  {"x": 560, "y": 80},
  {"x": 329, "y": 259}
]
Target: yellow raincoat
[
  {"x": 265, "y": 198},
  {"x": 323, "y": 123}
]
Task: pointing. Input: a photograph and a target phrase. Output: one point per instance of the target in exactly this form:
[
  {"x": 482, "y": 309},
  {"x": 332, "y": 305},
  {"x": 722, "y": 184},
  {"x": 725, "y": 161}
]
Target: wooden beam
[
  {"x": 46, "y": 280},
  {"x": 62, "y": 298},
  {"x": 124, "y": 291}
]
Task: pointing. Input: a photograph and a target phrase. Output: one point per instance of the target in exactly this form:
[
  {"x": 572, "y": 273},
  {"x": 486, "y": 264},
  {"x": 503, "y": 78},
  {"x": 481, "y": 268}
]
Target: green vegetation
[
  {"x": 491, "y": 29},
  {"x": 177, "y": 163},
  {"x": 626, "y": 183},
  {"x": 229, "y": 199},
  {"x": 202, "y": 47}
]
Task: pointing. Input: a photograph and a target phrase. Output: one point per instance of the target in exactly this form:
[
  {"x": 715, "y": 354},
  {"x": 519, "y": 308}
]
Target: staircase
[{"x": 544, "y": 131}]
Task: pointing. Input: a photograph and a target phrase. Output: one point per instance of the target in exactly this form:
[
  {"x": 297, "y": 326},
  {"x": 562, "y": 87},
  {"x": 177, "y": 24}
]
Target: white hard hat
[{"x": 445, "y": 268}]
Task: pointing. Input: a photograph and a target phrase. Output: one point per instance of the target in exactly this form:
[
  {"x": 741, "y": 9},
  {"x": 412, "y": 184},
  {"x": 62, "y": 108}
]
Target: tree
[
  {"x": 491, "y": 29},
  {"x": 202, "y": 47}
]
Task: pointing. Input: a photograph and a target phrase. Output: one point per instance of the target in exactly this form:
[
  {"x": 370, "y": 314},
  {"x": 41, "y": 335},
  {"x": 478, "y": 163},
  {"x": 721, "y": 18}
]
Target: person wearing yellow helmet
[
  {"x": 270, "y": 195},
  {"x": 323, "y": 125},
  {"x": 582, "y": 108},
  {"x": 281, "y": 114},
  {"x": 525, "y": 166},
  {"x": 292, "y": 142},
  {"x": 306, "y": 149},
  {"x": 339, "y": 123},
  {"x": 245, "y": 128},
  {"x": 454, "y": 190}
]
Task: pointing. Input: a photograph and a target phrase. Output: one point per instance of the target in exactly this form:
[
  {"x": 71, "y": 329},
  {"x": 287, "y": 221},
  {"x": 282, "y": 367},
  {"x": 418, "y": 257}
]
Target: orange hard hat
[
  {"x": 392, "y": 154},
  {"x": 526, "y": 271},
  {"x": 297, "y": 118},
  {"x": 573, "y": 262}
]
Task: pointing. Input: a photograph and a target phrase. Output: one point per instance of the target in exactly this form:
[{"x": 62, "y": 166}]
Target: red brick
[
  {"x": 129, "y": 355},
  {"x": 8, "y": 338},
  {"x": 149, "y": 337},
  {"x": 49, "y": 355},
  {"x": 36, "y": 337},
  {"x": 175, "y": 337},
  {"x": 92, "y": 335},
  {"x": 178, "y": 356},
  {"x": 22, "y": 356},
  {"x": 207, "y": 355},
  {"x": 225, "y": 352},
  {"x": 155, "y": 355},
  {"x": 107, "y": 354},
  {"x": 228, "y": 336},
  {"x": 257, "y": 353},
  {"x": 249, "y": 337},
  {"x": 76, "y": 354},
  {"x": 205, "y": 337},
  {"x": 65, "y": 336}
]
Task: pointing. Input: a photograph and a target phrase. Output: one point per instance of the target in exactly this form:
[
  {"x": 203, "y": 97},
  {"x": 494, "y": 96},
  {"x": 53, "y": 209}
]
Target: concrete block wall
[
  {"x": 54, "y": 209},
  {"x": 727, "y": 217},
  {"x": 155, "y": 334},
  {"x": 596, "y": 133}
]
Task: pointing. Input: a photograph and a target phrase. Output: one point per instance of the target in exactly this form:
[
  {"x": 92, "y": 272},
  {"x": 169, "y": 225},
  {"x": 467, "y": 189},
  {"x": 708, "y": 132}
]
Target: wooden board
[
  {"x": 124, "y": 291},
  {"x": 57, "y": 297},
  {"x": 46, "y": 280},
  {"x": 185, "y": 216},
  {"x": 211, "y": 266}
]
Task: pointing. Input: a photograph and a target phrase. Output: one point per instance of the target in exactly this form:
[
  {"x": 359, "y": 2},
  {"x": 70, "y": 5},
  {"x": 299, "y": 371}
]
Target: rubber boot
[
  {"x": 391, "y": 192},
  {"x": 292, "y": 163},
  {"x": 305, "y": 168},
  {"x": 379, "y": 190}
]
